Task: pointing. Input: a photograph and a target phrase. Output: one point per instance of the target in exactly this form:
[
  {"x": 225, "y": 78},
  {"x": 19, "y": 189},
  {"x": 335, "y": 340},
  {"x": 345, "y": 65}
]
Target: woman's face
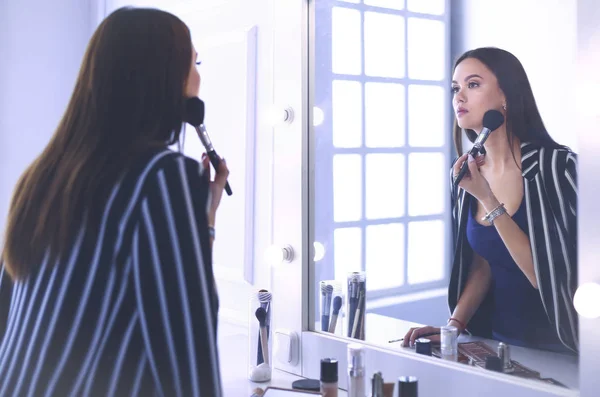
[
  {"x": 476, "y": 91},
  {"x": 192, "y": 88}
]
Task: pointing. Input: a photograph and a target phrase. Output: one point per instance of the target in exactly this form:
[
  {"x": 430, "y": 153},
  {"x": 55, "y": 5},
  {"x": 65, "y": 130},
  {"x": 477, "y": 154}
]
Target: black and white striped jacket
[
  {"x": 550, "y": 180},
  {"x": 131, "y": 309}
]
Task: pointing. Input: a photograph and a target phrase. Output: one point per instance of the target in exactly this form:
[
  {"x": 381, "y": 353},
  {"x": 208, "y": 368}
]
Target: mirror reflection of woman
[{"x": 514, "y": 215}]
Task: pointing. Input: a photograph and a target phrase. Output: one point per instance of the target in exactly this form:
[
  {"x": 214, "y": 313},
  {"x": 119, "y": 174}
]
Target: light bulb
[
  {"x": 274, "y": 255},
  {"x": 318, "y": 116},
  {"x": 586, "y": 300},
  {"x": 319, "y": 251}
]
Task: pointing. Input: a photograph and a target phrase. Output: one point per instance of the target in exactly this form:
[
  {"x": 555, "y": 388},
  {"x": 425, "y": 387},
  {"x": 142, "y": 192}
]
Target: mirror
[{"x": 381, "y": 143}]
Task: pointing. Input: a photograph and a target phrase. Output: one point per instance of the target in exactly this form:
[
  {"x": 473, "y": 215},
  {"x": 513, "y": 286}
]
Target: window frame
[{"x": 323, "y": 77}]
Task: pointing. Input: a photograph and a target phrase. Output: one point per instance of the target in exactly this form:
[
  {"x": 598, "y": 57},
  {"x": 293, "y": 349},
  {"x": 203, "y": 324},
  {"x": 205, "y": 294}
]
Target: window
[{"x": 382, "y": 142}]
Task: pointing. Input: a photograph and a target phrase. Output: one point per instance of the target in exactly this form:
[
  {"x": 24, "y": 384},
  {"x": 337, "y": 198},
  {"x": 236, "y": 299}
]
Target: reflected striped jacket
[
  {"x": 550, "y": 180},
  {"x": 132, "y": 308}
]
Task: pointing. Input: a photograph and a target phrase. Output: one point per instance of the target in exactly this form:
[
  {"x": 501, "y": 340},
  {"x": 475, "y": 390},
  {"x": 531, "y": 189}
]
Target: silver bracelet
[{"x": 493, "y": 214}]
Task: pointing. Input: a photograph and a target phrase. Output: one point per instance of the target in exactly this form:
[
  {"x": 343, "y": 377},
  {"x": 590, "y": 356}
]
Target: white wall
[
  {"x": 543, "y": 35},
  {"x": 42, "y": 44}
]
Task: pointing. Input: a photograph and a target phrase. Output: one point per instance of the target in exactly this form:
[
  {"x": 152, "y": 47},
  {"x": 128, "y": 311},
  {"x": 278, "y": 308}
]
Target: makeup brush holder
[
  {"x": 356, "y": 303},
  {"x": 331, "y": 307},
  {"x": 260, "y": 358}
]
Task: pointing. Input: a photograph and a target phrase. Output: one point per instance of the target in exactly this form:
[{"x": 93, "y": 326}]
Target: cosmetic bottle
[
  {"x": 408, "y": 386},
  {"x": 329, "y": 377},
  {"x": 356, "y": 370}
]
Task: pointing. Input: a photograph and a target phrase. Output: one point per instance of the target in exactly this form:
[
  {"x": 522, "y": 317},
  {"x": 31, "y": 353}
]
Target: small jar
[
  {"x": 260, "y": 356},
  {"x": 329, "y": 377},
  {"x": 449, "y": 343},
  {"x": 408, "y": 386}
]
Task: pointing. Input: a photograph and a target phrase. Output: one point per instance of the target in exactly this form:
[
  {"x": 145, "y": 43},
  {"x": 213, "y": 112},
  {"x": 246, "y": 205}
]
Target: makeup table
[
  {"x": 233, "y": 354},
  {"x": 561, "y": 367}
]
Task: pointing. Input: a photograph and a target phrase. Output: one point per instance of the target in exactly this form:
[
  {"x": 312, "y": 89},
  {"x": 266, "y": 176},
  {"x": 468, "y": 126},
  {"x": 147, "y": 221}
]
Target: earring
[{"x": 504, "y": 106}]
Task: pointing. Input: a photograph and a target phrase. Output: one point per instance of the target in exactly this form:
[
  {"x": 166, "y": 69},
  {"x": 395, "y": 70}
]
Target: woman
[
  {"x": 515, "y": 215},
  {"x": 106, "y": 283}
]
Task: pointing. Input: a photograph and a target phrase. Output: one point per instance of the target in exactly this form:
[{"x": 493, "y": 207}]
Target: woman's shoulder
[
  {"x": 166, "y": 161},
  {"x": 555, "y": 156},
  {"x": 165, "y": 164}
]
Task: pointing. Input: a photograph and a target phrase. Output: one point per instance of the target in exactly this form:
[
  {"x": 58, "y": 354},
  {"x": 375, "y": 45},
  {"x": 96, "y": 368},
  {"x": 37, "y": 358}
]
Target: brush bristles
[
  {"x": 327, "y": 289},
  {"x": 264, "y": 296}
]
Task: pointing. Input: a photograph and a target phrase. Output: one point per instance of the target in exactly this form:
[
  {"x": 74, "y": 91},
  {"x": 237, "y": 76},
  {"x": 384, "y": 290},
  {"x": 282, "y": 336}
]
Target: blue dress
[{"x": 519, "y": 317}]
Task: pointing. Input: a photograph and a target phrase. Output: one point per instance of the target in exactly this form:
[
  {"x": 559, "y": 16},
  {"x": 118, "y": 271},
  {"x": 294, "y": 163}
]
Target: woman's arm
[
  {"x": 476, "y": 288},
  {"x": 516, "y": 241},
  {"x": 514, "y": 238},
  {"x": 174, "y": 284},
  {"x": 5, "y": 299}
]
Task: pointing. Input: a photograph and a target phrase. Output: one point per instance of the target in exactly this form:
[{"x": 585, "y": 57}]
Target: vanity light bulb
[
  {"x": 319, "y": 251},
  {"x": 586, "y": 300},
  {"x": 274, "y": 255},
  {"x": 318, "y": 116},
  {"x": 274, "y": 116}
]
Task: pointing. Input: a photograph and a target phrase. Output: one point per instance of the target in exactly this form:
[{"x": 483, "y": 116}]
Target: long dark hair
[
  {"x": 523, "y": 118},
  {"x": 128, "y": 99}
]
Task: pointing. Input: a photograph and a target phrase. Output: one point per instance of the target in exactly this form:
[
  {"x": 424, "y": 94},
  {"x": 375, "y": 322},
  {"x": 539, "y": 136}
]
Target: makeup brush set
[
  {"x": 260, "y": 337},
  {"x": 357, "y": 298},
  {"x": 332, "y": 300}
]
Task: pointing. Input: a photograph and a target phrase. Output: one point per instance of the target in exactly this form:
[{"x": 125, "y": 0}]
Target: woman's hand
[
  {"x": 473, "y": 182},
  {"x": 417, "y": 332},
  {"x": 216, "y": 186}
]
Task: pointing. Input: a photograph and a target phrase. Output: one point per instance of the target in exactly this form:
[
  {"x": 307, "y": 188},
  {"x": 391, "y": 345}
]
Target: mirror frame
[{"x": 293, "y": 226}]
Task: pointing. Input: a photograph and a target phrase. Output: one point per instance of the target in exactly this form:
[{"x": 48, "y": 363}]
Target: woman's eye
[
  {"x": 454, "y": 89},
  {"x": 473, "y": 84}
]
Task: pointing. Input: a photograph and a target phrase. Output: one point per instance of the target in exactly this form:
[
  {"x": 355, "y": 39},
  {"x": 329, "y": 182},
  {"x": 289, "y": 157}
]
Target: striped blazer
[
  {"x": 550, "y": 193},
  {"x": 131, "y": 308}
]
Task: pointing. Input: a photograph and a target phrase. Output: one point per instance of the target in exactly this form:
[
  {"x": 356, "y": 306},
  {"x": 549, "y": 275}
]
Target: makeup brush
[
  {"x": 337, "y": 305},
  {"x": 353, "y": 301},
  {"x": 264, "y": 298},
  {"x": 261, "y": 315},
  {"x": 420, "y": 336},
  {"x": 326, "y": 292},
  {"x": 357, "y": 316}
]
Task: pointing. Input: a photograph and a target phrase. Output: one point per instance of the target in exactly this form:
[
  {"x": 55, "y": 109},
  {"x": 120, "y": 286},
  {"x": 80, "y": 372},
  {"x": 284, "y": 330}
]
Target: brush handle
[
  {"x": 265, "y": 344},
  {"x": 324, "y": 322},
  {"x": 259, "y": 352},
  {"x": 355, "y": 326},
  {"x": 352, "y": 315},
  {"x": 333, "y": 323}
]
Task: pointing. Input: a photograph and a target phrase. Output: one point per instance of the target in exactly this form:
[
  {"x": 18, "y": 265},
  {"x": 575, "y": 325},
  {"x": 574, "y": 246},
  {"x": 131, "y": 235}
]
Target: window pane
[
  {"x": 426, "y": 247},
  {"x": 347, "y": 185},
  {"x": 426, "y": 49},
  {"x": 351, "y": 1},
  {"x": 345, "y": 41},
  {"x": 392, "y": 4},
  {"x": 433, "y": 7},
  {"x": 385, "y": 256},
  {"x": 346, "y": 100},
  {"x": 384, "y": 45},
  {"x": 385, "y": 185},
  {"x": 384, "y": 108},
  {"x": 347, "y": 251},
  {"x": 426, "y": 116},
  {"x": 427, "y": 183}
]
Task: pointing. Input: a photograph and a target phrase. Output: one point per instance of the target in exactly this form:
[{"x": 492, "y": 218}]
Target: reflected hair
[{"x": 523, "y": 119}]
